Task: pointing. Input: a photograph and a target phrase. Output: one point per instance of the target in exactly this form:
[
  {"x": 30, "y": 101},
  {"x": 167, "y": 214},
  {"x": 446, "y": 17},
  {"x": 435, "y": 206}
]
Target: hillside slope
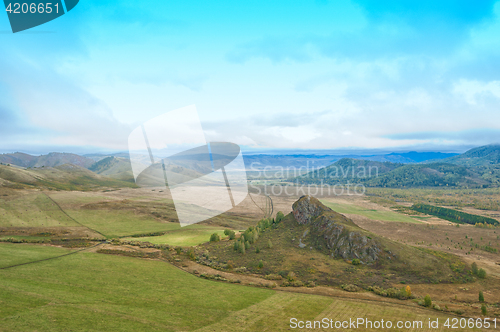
[
  {"x": 63, "y": 177},
  {"x": 49, "y": 160},
  {"x": 305, "y": 242}
]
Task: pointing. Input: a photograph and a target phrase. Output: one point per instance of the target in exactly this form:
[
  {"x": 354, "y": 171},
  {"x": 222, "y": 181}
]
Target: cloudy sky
[{"x": 414, "y": 75}]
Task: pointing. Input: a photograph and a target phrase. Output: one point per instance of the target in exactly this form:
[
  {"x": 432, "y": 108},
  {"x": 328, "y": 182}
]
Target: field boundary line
[
  {"x": 70, "y": 217},
  {"x": 47, "y": 259}
]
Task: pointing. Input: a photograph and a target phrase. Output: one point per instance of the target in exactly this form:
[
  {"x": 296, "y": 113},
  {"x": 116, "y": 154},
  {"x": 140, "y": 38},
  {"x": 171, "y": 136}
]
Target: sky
[{"x": 268, "y": 75}]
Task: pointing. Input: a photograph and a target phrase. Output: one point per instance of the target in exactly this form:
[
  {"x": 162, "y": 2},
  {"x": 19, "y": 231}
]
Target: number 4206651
[
  {"x": 455, "y": 323},
  {"x": 25, "y": 8}
]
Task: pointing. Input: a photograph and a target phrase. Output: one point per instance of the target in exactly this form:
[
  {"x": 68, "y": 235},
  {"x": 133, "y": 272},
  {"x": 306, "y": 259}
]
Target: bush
[
  {"x": 236, "y": 246},
  {"x": 408, "y": 292},
  {"x": 350, "y": 288},
  {"x": 257, "y": 250},
  {"x": 247, "y": 245},
  {"x": 483, "y": 310},
  {"x": 481, "y": 273},
  {"x": 232, "y": 235},
  {"x": 427, "y": 301},
  {"x": 474, "y": 268},
  {"x": 269, "y": 244},
  {"x": 226, "y": 232},
  {"x": 279, "y": 216},
  {"x": 261, "y": 264},
  {"x": 291, "y": 276},
  {"x": 214, "y": 237},
  {"x": 355, "y": 261},
  {"x": 481, "y": 296},
  {"x": 242, "y": 249}
]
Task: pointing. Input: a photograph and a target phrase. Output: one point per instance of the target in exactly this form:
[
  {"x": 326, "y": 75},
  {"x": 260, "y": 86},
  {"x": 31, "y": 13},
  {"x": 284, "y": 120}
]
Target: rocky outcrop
[{"x": 340, "y": 235}]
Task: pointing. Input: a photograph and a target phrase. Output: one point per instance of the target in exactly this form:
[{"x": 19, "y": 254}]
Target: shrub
[
  {"x": 481, "y": 273},
  {"x": 291, "y": 276},
  {"x": 257, "y": 250},
  {"x": 226, "y": 232},
  {"x": 350, "y": 288},
  {"x": 474, "y": 268},
  {"x": 214, "y": 237},
  {"x": 481, "y": 296},
  {"x": 236, "y": 246},
  {"x": 242, "y": 249},
  {"x": 427, "y": 301},
  {"x": 279, "y": 216},
  {"x": 232, "y": 235},
  {"x": 408, "y": 291},
  {"x": 247, "y": 245},
  {"x": 483, "y": 310},
  {"x": 355, "y": 261},
  {"x": 261, "y": 264},
  {"x": 269, "y": 244}
]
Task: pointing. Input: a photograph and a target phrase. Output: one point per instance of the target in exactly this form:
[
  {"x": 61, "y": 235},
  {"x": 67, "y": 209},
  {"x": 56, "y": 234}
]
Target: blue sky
[{"x": 415, "y": 75}]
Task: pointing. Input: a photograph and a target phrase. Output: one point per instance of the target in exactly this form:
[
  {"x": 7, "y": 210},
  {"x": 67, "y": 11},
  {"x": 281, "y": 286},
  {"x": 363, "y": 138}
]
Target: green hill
[
  {"x": 49, "y": 160},
  {"x": 63, "y": 177},
  {"x": 114, "y": 167},
  {"x": 348, "y": 169}
]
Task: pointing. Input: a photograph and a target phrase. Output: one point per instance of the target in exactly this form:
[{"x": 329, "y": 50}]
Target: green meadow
[
  {"x": 370, "y": 214},
  {"x": 186, "y": 236}
]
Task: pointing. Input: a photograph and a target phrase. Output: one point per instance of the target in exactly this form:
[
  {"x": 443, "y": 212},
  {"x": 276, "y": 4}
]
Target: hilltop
[{"x": 318, "y": 244}]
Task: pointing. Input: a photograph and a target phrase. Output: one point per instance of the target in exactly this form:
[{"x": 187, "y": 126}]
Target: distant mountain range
[{"x": 478, "y": 167}]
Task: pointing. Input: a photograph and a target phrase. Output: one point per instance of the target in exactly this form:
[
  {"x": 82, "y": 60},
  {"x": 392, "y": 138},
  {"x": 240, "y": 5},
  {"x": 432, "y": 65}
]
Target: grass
[
  {"x": 371, "y": 214},
  {"x": 13, "y": 254},
  {"x": 186, "y": 236},
  {"x": 115, "y": 223},
  {"x": 32, "y": 210},
  {"x": 94, "y": 292}
]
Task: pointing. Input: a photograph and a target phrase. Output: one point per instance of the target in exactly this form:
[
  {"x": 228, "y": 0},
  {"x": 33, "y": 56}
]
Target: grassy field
[
  {"x": 115, "y": 223},
  {"x": 186, "y": 236},
  {"x": 32, "y": 210},
  {"x": 13, "y": 254},
  {"x": 94, "y": 292},
  {"x": 370, "y": 214}
]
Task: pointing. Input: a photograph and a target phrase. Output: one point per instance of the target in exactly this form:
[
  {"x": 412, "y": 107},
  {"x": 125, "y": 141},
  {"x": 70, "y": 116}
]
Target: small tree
[
  {"x": 269, "y": 244},
  {"x": 291, "y": 276},
  {"x": 483, "y": 310},
  {"x": 474, "y": 268},
  {"x": 236, "y": 245},
  {"x": 261, "y": 264},
  {"x": 226, "y": 232},
  {"x": 242, "y": 249},
  {"x": 214, "y": 237},
  {"x": 481, "y": 296},
  {"x": 257, "y": 250},
  {"x": 247, "y": 245},
  {"x": 427, "y": 301},
  {"x": 279, "y": 216},
  {"x": 481, "y": 273},
  {"x": 232, "y": 235},
  {"x": 408, "y": 291},
  {"x": 355, "y": 261}
]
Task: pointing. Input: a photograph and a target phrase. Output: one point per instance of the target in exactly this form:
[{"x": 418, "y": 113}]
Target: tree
[
  {"x": 226, "y": 232},
  {"x": 257, "y": 250},
  {"x": 474, "y": 268},
  {"x": 269, "y": 244},
  {"x": 279, "y": 216},
  {"x": 481, "y": 273},
  {"x": 481, "y": 296},
  {"x": 483, "y": 310},
  {"x": 242, "y": 249},
  {"x": 247, "y": 245},
  {"x": 427, "y": 301},
  {"x": 232, "y": 235},
  {"x": 408, "y": 291},
  {"x": 236, "y": 246},
  {"x": 261, "y": 264},
  {"x": 214, "y": 237}
]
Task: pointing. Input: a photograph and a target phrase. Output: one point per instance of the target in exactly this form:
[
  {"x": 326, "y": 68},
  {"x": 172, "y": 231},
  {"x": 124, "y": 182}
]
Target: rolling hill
[
  {"x": 49, "y": 160},
  {"x": 63, "y": 177}
]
